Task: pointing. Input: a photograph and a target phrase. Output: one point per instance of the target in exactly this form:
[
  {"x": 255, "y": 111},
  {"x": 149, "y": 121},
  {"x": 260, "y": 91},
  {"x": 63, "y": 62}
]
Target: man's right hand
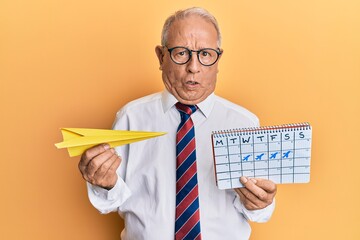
[{"x": 98, "y": 166}]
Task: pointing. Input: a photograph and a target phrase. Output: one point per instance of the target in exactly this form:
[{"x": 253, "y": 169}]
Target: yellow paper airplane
[{"x": 77, "y": 140}]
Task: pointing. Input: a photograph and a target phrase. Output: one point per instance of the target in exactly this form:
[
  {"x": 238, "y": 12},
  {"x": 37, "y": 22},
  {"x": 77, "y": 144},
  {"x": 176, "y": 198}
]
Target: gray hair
[{"x": 181, "y": 14}]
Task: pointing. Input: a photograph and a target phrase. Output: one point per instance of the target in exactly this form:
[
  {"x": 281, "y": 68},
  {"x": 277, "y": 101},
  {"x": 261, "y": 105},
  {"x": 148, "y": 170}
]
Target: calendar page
[{"x": 278, "y": 153}]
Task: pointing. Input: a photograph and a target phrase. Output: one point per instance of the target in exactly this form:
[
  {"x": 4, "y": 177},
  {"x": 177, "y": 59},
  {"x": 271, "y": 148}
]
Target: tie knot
[{"x": 187, "y": 109}]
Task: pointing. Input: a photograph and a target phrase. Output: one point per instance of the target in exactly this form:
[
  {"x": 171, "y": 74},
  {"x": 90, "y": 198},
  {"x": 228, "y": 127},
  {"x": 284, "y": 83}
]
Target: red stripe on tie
[
  {"x": 198, "y": 237},
  {"x": 184, "y": 154},
  {"x": 188, "y": 174},
  {"x": 186, "y": 202},
  {"x": 184, "y": 108},
  {"x": 184, "y": 130},
  {"x": 185, "y": 229}
]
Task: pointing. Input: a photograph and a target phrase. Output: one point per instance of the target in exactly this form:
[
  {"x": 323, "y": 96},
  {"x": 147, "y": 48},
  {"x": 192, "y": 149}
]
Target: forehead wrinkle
[{"x": 190, "y": 40}]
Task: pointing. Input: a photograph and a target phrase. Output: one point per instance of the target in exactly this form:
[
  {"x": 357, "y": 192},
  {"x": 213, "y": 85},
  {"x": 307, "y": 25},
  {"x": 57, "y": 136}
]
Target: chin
[{"x": 191, "y": 101}]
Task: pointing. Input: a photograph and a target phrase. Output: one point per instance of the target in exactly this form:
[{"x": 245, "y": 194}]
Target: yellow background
[{"x": 75, "y": 63}]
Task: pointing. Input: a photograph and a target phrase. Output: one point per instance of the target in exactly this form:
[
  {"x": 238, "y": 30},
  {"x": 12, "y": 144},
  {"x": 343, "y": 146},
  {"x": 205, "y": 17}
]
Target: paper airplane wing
[{"x": 77, "y": 140}]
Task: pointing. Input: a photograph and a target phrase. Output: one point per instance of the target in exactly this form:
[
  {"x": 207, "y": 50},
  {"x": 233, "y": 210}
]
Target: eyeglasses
[{"x": 182, "y": 55}]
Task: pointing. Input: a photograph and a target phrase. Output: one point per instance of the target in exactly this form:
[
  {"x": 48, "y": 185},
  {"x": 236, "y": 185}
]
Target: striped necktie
[{"x": 187, "y": 223}]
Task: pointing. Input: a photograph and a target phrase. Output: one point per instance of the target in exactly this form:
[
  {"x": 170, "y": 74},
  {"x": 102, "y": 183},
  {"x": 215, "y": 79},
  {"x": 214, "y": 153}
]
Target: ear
[
  {"x": 159, "y": 54},
  {"x": 222, "y": 52}
]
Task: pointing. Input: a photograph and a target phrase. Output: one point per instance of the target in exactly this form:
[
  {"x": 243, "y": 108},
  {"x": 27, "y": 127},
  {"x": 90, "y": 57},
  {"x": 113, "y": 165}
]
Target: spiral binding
[{"x": 262, "y": 130}]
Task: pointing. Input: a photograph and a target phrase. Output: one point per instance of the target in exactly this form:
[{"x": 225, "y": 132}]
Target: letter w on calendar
[{"x": 279, "y": 153}]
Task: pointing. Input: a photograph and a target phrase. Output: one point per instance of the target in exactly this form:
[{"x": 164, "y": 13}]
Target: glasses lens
[
  {"x": 208, "y": 56},
  {"x": 180, "y": 55}
]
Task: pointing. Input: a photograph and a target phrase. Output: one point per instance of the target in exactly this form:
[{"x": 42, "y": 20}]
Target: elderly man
[{"x": 165, "y": 187}]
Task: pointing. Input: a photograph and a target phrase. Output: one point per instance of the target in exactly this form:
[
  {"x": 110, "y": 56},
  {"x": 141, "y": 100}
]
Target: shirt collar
[{"x": 168, "y": 101}]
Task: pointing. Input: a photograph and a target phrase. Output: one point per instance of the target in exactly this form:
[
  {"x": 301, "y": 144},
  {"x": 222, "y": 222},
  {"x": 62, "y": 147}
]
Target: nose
[{"x": 193, "y": 66}]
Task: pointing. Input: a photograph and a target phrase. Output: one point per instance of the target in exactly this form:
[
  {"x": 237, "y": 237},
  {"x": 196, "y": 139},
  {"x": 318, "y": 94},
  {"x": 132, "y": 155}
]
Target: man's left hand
[{"x": 257, "y": 193}]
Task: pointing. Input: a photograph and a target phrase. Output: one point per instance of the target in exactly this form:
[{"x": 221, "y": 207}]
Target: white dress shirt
[{"x": 144, "y": 194}]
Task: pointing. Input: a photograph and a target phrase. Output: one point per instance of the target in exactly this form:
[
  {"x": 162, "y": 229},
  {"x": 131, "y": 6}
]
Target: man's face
[{"x": 192, "y": 82}]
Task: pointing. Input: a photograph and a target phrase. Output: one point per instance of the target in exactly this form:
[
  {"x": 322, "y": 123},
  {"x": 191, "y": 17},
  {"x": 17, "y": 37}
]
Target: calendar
[{"x": 279, "y": 153}]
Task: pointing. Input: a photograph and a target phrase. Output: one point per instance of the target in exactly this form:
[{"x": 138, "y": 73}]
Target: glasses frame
[{"x": 218, "y": 52}]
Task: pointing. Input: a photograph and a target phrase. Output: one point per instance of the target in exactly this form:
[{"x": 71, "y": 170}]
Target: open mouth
[{"x": 192, "y": 83}]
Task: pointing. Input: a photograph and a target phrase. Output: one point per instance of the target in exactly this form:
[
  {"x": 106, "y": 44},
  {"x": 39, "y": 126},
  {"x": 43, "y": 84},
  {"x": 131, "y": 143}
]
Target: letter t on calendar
[{"x": 279, "y": 153}]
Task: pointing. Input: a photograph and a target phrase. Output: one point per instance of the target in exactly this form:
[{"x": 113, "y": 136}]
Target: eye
[
  {"x": 205, "y": 54},
  {"x": 181, "y": 53}
]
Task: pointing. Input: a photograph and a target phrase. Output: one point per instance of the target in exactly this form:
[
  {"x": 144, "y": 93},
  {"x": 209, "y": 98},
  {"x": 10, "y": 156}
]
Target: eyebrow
[{"x": 197, "y": 48}]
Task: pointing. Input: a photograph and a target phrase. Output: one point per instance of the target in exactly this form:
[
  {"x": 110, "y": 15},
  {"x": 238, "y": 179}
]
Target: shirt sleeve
[
  {"x": 260, "y": 216},
  {"x": 110, "y": 200}
]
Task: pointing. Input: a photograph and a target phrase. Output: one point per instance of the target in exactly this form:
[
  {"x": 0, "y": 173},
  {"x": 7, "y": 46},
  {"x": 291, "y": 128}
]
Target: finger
[
  {"x": 102, "y": 178},
  {"x": 237, "y": 190},
  {"x": 251, "y": 185},
  {"x": 250, "y": 197},
  {"x": 246, "y": 202},
  {"x": 90, "y": 154},
  {"x": 110, "y": 178},
  {"x": 96, "y": 163},
  {"x": 267, "y": 185},
  {"x": 115, "y": 165},
  {"x": 105, "y": 166},
  {"x": 241, "y": 195}
]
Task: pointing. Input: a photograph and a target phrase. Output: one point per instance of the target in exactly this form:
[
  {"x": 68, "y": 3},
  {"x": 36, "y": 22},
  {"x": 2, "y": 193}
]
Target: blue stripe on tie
[
  {"x": 184, "y": 119},
  {"x": 185, "y": 215},
  {"x": 192, "y": 107},
  {"x": 185, "y": 165},
  {"x": 185, "y": 141},
  {"x": 193, "y": 233},
  {"x": 186, "y": 189}
]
